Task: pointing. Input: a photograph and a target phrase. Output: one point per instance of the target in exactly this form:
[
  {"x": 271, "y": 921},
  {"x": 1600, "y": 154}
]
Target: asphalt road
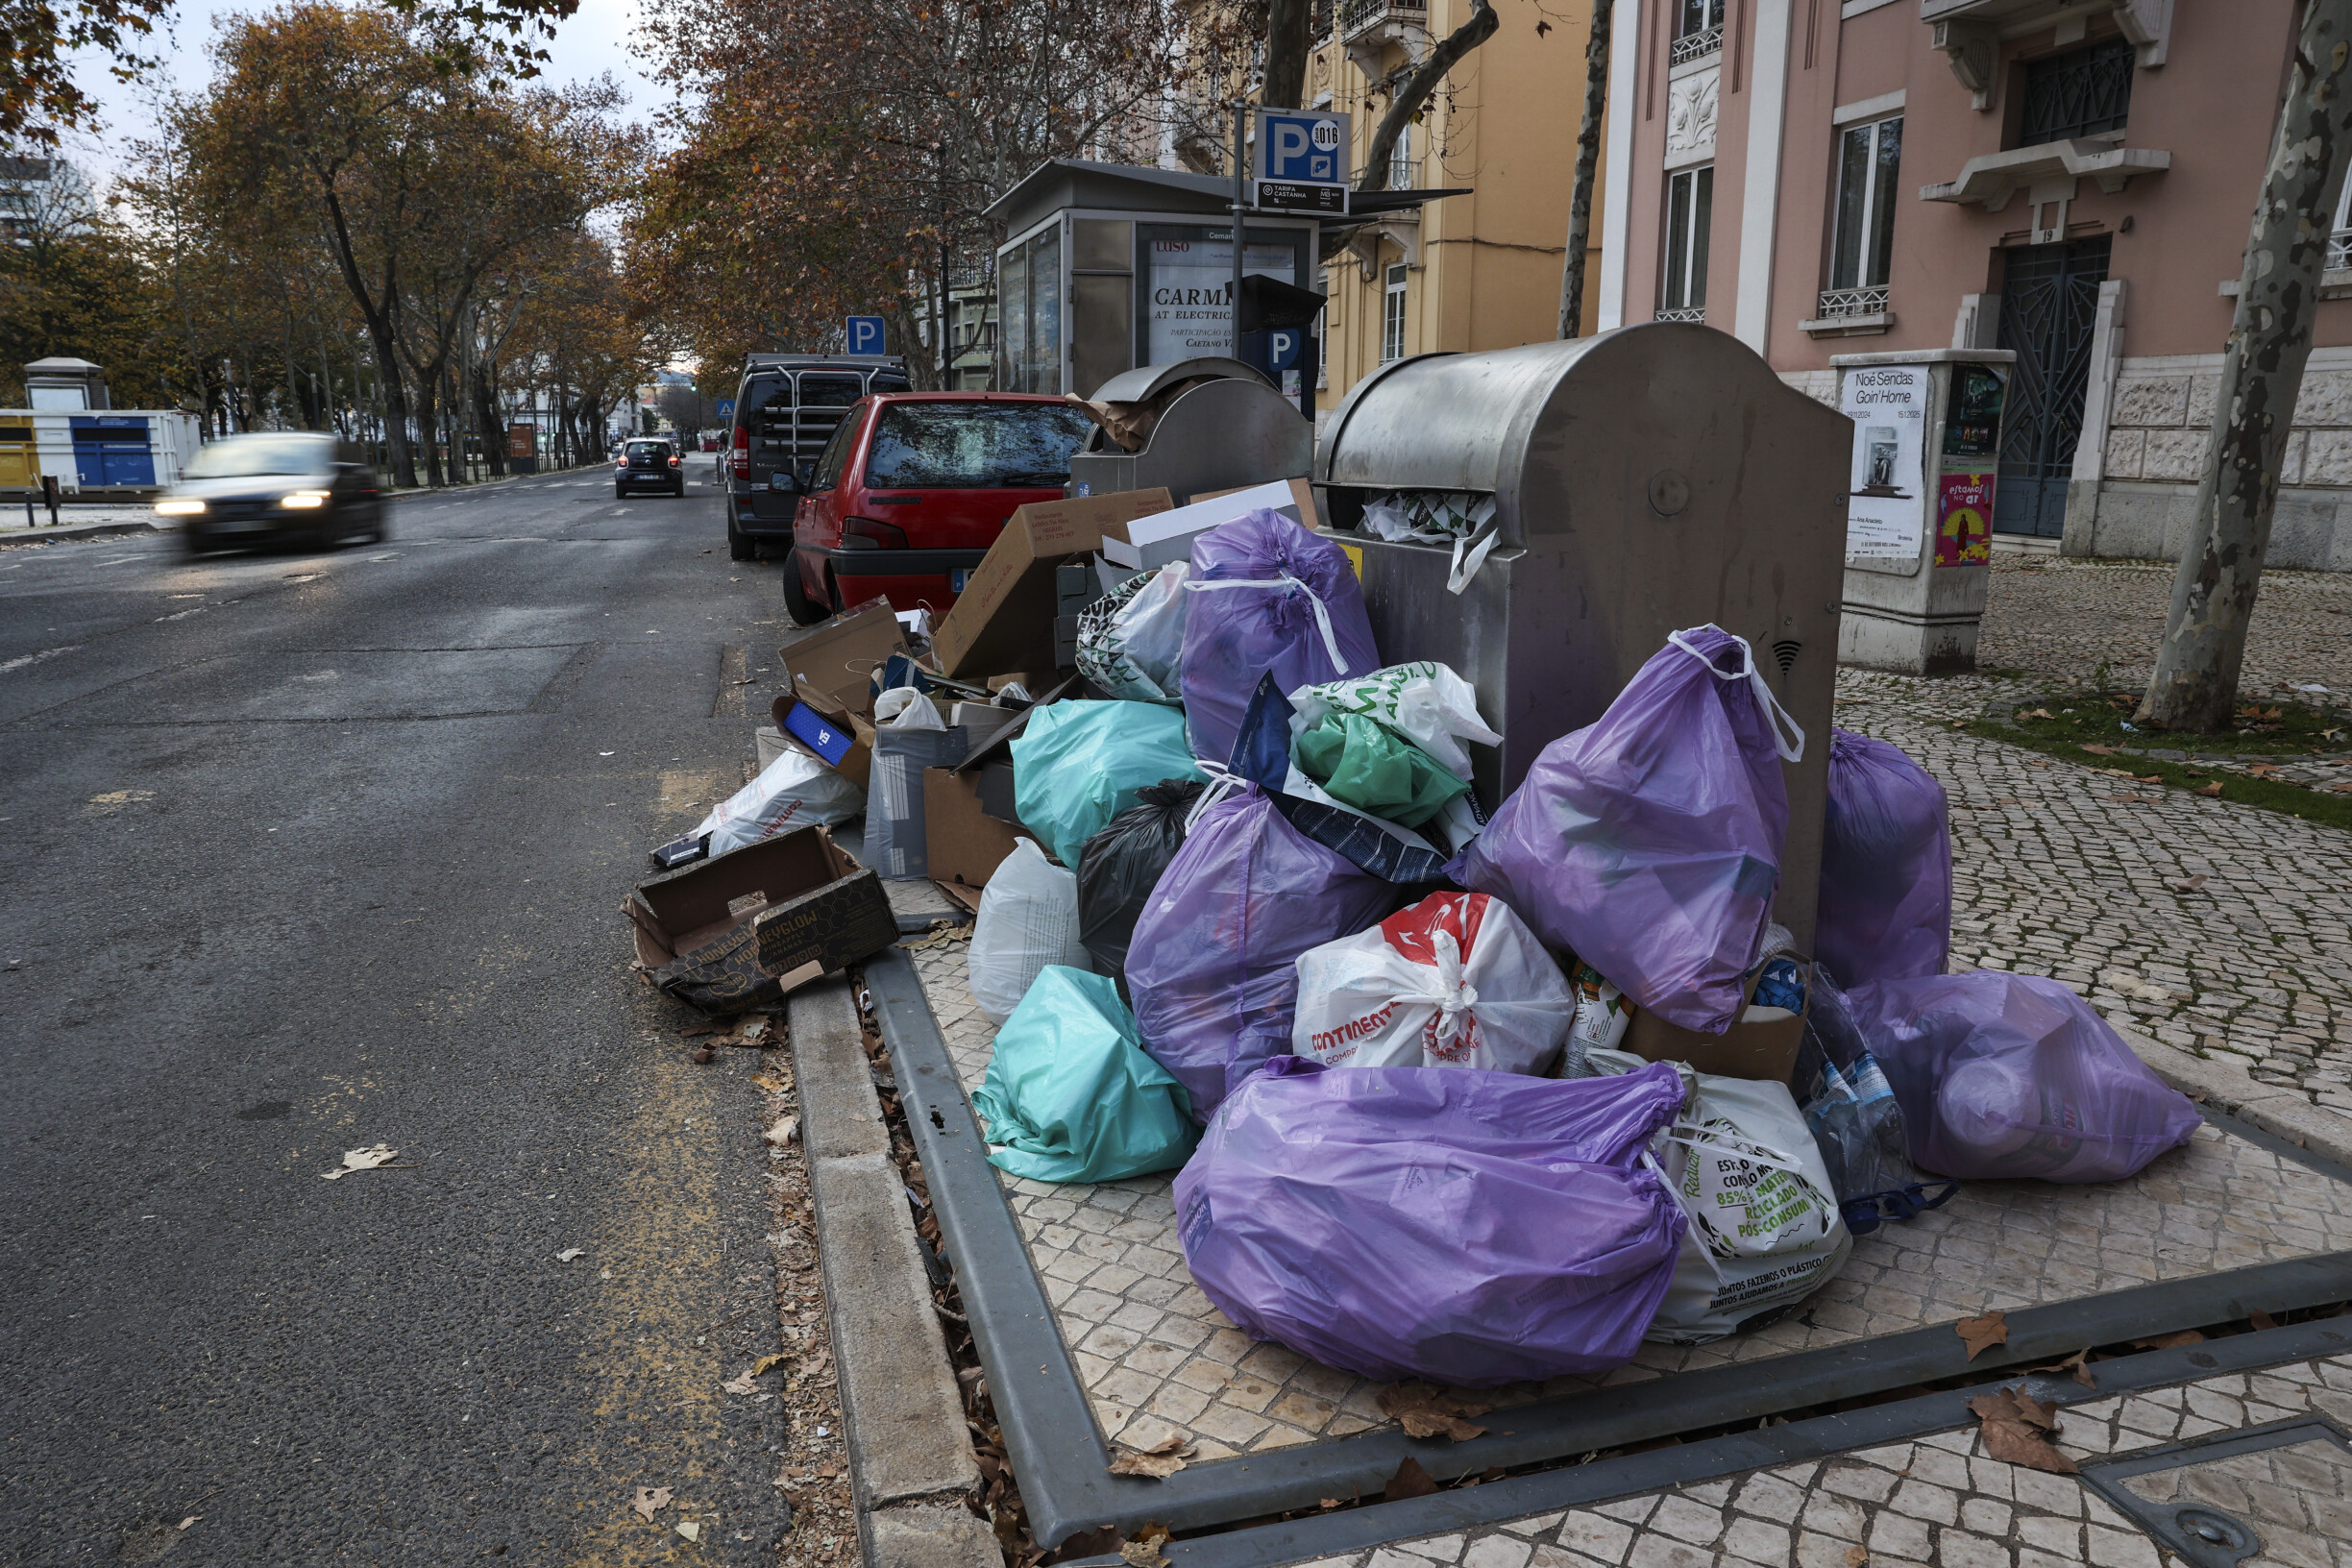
[{"x": 308, "y": 852}]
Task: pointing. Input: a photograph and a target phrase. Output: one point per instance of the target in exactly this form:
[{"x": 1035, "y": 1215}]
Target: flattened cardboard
[
  {"x": 839, "y": 658},
  {"x": 1167, "y": 536},
  {"x": 697, "y": 930},
  {"x": 1004, "y": 620},
  {"x": 1765, "y": 1051},
  {"x": 964, "y": 845}
]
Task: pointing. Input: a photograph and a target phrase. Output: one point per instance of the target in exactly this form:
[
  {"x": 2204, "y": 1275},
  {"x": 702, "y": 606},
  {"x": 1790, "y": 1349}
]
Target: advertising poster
[
  {"x": 1963, "y": 520},
  {"x": 1192, "y": 284},
  {"x": 1885, "y": 512}
]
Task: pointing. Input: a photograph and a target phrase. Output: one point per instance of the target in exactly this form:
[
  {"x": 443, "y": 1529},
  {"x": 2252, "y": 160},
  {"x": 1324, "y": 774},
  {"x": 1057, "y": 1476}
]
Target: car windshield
[
  {"x": 246, "y": 457},
  {"x": 974, "y": 446},
  {"x": 648, "y": 449}
]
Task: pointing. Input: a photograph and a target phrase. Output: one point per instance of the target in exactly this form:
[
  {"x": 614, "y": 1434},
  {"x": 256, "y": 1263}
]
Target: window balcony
[
  {"x": 1357, "y": 17},
  {"x": 1366, "y": 29},
  {"x": 1690, "y": 46},
  {"x": 1691, "y": 312},
  {"x": 1849, "y": 312}
]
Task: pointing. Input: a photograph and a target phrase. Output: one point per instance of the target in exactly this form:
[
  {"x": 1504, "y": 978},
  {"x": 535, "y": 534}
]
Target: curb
[
  {"x": 2280, "y": 1111},
  {"x": 903, "y": 1409},
  {"x": 77, "y": 530}
]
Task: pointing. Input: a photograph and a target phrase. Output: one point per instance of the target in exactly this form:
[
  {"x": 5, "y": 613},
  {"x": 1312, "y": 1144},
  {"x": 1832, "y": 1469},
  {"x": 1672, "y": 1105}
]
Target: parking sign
[
  {"x": 1302, "y": 160},
  {"x": 865, "y": 335}
]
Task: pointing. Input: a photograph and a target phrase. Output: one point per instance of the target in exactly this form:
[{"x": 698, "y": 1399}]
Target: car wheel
[
  {"x": 191, "y": 545},
  {"x": 620, "y": 494},
  {"x": 381, "y": 533},
  {"x": 803, "y": 611},
  {"x": 738, "y": 548}
]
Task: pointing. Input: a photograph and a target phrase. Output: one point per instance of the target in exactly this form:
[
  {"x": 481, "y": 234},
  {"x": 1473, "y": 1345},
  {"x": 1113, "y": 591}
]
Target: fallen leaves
[
  {"x": 1142, "y": 1550},
  {"x": 1425, "y": 1411},
  {"x": 785, "y": 1130},
  {"x": 2035, "y": 713},
  {"x": 357, "y": 1160},
  {"x": 2170, "y": 1341},
  {"x": 569, "y": 1253},
  {"x": 2016, "y": 1428},
  {"x": 2098, "y": 751},
  {"x": 2189, "y": 884},
  {"x": 767, "y": 1363},
  {"x": 1982, "y": 1333},
  {"x": 1162, "y": 1459},
  {"x": 741, "y": 1382},
  {"x": 690, "y": 1531},
  {"x": 1410, "y": 1481},
  {"x": 2261, "y": 1320},
  {"x": 2208, "y": 791},
  {"x": 650, "y": 1501}
]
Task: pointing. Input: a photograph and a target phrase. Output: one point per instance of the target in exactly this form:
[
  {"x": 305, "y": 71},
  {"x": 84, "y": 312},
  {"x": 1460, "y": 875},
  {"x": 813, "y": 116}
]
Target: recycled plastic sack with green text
[{"x": 1069, "y": 1095}]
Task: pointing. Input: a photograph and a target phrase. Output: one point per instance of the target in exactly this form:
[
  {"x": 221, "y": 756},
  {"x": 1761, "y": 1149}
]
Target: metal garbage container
[
  {"x": 1227, "y": 429},
  {"x": 1646, "y": 480}
]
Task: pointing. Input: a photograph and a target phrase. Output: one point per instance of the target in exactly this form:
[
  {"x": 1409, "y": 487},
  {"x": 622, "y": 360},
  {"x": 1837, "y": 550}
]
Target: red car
[{"x": 914, "y": 487}]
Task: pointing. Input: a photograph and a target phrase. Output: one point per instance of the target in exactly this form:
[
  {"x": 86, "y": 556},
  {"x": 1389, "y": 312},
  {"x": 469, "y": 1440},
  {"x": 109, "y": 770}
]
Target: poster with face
[
  {"x": 1885, "y": 511},
  {"x": 1963, "y": 520},
  {"x": 1192, "y": 284}
]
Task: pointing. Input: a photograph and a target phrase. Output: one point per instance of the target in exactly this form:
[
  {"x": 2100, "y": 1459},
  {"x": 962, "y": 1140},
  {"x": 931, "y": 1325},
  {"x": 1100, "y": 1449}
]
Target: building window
[
  {"x": 1870, "y": 163},
  {"x": 2340, "y": 238},
  {"x": 1689, "y": 196},
  {"x": 1404, "y": 169},
  {"x": 1392, "y": 316},
  {"x": 2079, "y": 93},
  {"x": 1698, "y": 30}
]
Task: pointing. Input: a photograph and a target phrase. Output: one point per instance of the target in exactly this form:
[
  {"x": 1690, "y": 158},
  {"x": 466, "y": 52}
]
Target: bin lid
[{"x": 1147, "y": 381}]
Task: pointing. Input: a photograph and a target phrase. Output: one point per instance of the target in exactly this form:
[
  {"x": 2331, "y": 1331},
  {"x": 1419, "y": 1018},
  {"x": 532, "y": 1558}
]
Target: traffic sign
[
  {"x": 725, "y": 408},
  {"x": 1281, "y": 351},
  {"x": 1302, "y": 160},
  {"x": 865, "y": 335}
]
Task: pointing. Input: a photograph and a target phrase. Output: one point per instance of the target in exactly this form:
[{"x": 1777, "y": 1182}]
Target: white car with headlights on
[{"x": 282, "y": 486}]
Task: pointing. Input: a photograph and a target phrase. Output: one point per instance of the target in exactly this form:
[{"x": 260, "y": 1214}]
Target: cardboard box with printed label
[{"x": 1004, "y": 619}]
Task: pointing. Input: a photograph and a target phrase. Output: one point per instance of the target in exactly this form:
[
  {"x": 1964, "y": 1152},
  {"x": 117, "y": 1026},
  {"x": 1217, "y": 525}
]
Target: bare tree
[
  {"x": 2196, "y": 684},
  {"x": 1587, "y": 167},
  {"x": 1418, "y": 83}
]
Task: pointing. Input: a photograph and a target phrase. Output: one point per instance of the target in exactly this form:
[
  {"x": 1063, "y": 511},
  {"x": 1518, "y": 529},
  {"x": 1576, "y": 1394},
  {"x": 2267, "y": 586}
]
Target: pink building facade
[{"x": 2072, "y": 180}]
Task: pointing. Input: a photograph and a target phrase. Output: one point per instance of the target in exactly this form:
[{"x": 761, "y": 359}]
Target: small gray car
[{"x": 283, "y": 487}]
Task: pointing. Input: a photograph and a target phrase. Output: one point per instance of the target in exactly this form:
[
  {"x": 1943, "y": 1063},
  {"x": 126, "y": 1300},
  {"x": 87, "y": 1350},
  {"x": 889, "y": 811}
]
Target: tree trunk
[
  {"x": 1285, "y": 53},
  {"x": 428, "y": 419},
  {"x": 485, "y": 412},
  {"x": 2196, "y": 684},
  {"x": 1418, "y": 86},
  {"x": 1587, "y": 168}
]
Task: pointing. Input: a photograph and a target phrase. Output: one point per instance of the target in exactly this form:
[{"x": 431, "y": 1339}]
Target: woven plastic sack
[
  {"x": 1456, "y": 981},
  {"x": 1069, "y": 1096},
  {"x": 1213, "y": 963},
  {"x": 794, "y": 791},
  {"x": 1764, "y": 1231},
  {"x": 1131, "y": 640},
  {"x": 2004, "y": 1075},
  {"x": 1370, "y": 766},
  {"x": 908, "y": 737},
  {"x": 1121, "y": 866},
  {"x": 1648, "y": 843},
  {"x": 1886, "y": 880},
  {"x": 1466, "y": 1228},
  {"x": 1077, "y": 764},
  {"x": 1028, "y": 918},
  {"x": 1425, "y": 702},
  {"x": 1266, "y": 596}
]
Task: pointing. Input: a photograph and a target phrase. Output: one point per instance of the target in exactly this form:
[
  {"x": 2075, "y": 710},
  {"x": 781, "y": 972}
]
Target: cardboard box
[
  {"x": 1167, "y": 536},
  {"x": 839, "y": 658},
  {"x": 964, "y": 845},
  {"x": 1004, "y": 618},
  {"x": 1765, "y": 1051},
  {"x": 856, "y": 762},
  {"x": 837, "y": 744},
  {"x": 708, "y": 933}
]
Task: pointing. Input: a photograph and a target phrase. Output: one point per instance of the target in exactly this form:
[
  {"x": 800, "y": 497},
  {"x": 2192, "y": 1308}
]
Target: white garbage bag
[
  {"x": 1131, "y": 642},
  {"x": 1764, "y": 1226},
  {"x": 1456, "y": 981},
  {"x": 794, "y": 791},
  {"x": 1028, "y": 918},
  {"x": 1425, "y": 702}
]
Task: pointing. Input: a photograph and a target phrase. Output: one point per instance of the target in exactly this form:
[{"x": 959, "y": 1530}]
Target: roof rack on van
[{"x": 775, "y": 361}]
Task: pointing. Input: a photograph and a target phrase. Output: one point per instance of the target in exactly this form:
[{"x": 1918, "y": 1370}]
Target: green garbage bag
[
  {"x": 1076, "y": 765},
  {"x": 1070, "y": 1096},
  {"x": 1366, "y": 763}
]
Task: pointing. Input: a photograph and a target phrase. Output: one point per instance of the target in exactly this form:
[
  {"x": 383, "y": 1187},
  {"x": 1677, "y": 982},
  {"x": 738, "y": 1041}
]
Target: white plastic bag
[
  {"x": 1028, "y": 918},
  {"x": 1131, "y": 641},
  {"x": 1764, "y": 1231},
  {"x": 1456, "y": 981},
  {"x": 903, "y": 707},
  {"x": 794, "y": 791},
  {"x": 1426, "y": 702}
]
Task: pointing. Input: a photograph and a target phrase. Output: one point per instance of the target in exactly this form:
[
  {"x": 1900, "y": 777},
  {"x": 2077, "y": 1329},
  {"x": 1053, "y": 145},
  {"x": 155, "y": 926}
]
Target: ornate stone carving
[{"x": 1690, "y": 117}]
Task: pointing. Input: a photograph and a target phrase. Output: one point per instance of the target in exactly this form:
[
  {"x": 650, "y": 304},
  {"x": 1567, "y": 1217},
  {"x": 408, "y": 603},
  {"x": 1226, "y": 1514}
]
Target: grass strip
[{"x": 2322, "y": 806}]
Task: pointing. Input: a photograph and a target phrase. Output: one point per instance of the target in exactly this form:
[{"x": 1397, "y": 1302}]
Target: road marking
[{"x": 19, "y": 662}]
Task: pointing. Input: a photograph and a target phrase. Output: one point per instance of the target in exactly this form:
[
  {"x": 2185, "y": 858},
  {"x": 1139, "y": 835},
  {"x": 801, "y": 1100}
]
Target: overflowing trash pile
[{"x": 1456, "y": 1097}]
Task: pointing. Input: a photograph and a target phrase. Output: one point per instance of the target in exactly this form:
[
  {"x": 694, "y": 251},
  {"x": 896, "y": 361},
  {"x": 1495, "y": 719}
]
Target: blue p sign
[
  {"x": 1282, "y": 348},
  {"x": 865, "y": 335}
]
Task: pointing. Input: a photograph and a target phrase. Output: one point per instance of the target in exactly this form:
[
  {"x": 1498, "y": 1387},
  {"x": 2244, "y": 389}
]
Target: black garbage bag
[{"x": 1118, "y": 866}]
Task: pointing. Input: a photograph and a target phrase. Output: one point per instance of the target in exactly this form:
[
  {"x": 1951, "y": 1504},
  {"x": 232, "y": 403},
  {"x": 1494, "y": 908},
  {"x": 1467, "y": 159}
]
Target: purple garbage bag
[
  {"x": 2006, "y": 1075},
  {"x": 1212, "y": 964},
  {"x": 1289, "y": 604},
  {"x": 1886, "y": 887},
  {"x": 1648, "y": 842},
  {"x": 1469, "y": 1228}
]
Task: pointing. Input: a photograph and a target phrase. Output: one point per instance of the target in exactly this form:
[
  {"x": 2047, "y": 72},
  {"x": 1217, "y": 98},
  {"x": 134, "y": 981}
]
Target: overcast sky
[{"x": 595, "y": 39}]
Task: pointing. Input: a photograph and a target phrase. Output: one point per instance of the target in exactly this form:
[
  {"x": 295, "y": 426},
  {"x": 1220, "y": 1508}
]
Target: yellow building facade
[{"x": 1475, "y": 271}]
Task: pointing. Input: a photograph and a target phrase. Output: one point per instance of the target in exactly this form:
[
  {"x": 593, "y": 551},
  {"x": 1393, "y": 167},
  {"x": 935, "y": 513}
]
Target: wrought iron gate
[{"x": 2049, "y": 296}]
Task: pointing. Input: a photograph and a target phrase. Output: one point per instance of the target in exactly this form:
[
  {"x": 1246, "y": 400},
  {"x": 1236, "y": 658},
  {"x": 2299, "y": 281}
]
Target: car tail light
[
  {"x": 743, "y": 452},
  {"x": 870, "y": 534},
  {"x": 674, "y": 462}
]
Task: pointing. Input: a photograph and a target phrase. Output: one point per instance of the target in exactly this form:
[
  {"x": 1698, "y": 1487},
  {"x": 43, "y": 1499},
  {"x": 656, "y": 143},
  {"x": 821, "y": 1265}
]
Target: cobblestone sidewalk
[
  {"x": 2222, "y": 929},
  {"x": 1943, "y": 1501}
]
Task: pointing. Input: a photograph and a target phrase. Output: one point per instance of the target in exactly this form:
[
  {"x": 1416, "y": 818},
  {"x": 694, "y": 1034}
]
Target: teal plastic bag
[
  {"x": 1370, "y": 767},
  {"x": 1077, "y": 764},
  {"x": 1070, "y": 1096}
]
